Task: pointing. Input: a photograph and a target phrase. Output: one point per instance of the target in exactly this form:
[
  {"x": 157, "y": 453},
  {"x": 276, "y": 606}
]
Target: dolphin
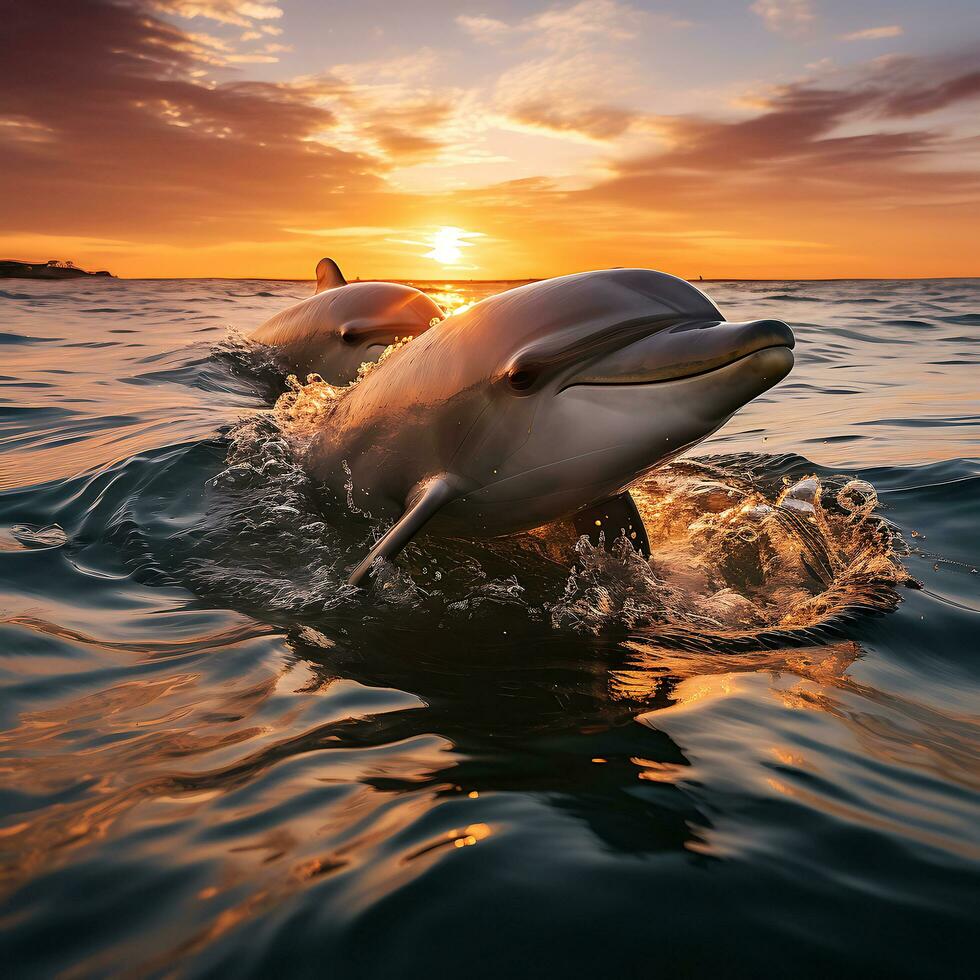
[
  {"x": 342, "y": 325},
  {"x": 540, "y": 403}
]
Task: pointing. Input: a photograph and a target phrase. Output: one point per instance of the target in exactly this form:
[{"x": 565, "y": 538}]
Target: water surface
[{"x": 756, "y": 755}]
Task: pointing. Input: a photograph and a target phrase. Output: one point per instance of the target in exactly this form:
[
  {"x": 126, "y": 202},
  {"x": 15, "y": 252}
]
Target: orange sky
[{"x": 781, "y": 139}]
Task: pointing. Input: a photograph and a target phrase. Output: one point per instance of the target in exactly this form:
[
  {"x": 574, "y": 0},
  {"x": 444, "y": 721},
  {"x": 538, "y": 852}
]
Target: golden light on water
[
  {"x": 473, "y": 833},
  {"x": 452, "y": 300}
]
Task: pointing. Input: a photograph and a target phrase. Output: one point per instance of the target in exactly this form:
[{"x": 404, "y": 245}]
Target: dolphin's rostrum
[{"x": 543, "y": 402}]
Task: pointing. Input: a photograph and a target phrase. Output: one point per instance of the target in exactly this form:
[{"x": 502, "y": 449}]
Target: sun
[{"x": 447, "y": 244}]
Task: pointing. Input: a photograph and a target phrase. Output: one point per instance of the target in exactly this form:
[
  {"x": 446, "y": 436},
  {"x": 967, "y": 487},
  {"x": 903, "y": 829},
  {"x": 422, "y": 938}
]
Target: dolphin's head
[
  {"x": 367, "y": 317},
  {"x": 586, "y": 406},
  {"x": 336, "y": 330}
]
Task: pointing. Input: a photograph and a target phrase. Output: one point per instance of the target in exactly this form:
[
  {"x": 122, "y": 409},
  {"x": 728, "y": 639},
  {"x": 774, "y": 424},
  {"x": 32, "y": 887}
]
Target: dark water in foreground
[{"x": 216, "y": 761}]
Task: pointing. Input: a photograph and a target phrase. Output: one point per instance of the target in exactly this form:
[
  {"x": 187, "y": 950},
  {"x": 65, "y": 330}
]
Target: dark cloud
[
  {"x": 407, "y": 132},
  {"x": 915, "y": 101},
  {"x": 404, "y": 146},
  {"x": 594, "y": 121},
  {"x": 808, "y": 144},
  {"x": 109, "y": 128}
]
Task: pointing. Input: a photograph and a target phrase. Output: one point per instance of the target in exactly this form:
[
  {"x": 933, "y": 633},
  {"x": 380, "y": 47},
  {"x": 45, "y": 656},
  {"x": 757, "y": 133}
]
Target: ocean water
[{"x": 756, "y": 755}]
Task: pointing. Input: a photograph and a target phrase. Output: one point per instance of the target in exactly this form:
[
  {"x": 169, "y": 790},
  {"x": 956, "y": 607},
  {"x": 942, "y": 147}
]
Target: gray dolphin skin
[
  {"x": 343, "y": 324},
  {"x": 543, "y": 402}
]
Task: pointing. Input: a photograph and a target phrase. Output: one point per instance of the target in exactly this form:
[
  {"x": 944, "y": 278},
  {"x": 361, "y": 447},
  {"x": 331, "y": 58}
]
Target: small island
[{"x": 52, "y": 269}]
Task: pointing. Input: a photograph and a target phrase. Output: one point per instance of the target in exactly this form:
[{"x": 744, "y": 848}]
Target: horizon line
[{"x": 535, "y": 278}]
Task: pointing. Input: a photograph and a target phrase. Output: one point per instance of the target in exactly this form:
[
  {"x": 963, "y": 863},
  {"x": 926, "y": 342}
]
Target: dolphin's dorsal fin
[
  {"x": 328, "y": 275},
  {"x": 612, "y": 517},
  {"x": 423, "y": 502}
]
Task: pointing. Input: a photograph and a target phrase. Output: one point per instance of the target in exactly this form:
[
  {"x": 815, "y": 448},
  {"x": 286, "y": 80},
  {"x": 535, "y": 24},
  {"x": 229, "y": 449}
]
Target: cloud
[
  {"x": 909, "y": 86},
  {"x": 348, "y": 231},
  {"x": 240, "y": 13},
  {"x": 820, "y": 178},
  {"x": 915, "y": 102},
  {"x": 874, "y": 33},
  {"x": 393, "y": 107},
  {"x": 403, "y": 146},
  {"x": 576, "y": 68},
  {"x": 565, "y": 96},
  {"x": 143, "y": 143},
  {"x": 564, "y": 27},
  {"x": 792, "y": 18},
  {"x": 599, "y": 123},
  {"x": 484, "y": 28},
  {"x": 810, "y": 146}
]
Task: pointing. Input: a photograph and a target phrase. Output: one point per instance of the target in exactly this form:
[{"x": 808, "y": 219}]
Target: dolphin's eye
[{"x": 521, "y": 379}]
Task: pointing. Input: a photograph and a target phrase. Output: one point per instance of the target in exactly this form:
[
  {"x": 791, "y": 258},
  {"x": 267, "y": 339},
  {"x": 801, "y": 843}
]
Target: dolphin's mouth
[
  {"x": 690, "y": 350},
  {"x": 782, "y": 353}
]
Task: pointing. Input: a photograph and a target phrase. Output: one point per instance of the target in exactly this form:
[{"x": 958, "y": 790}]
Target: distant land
[{"x": 52, "y": 269}]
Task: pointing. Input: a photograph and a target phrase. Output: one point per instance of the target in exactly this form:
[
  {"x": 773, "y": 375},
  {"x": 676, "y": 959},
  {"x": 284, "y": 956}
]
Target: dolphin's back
[
  {"x": 556, "y": 317},
  {"x": 591, "y": 300},
  {"x": 542, "y": 321}
]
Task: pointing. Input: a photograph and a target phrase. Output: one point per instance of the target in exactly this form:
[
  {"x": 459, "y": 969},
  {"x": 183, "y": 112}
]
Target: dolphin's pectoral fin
[
  {"x": 615, "y": 516},
  {"x": 328, "y": 275},
  {"x": 423, "y": 502}
]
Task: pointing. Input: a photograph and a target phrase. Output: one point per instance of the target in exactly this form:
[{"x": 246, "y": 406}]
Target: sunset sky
[{"x": 488, "y": 139}]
